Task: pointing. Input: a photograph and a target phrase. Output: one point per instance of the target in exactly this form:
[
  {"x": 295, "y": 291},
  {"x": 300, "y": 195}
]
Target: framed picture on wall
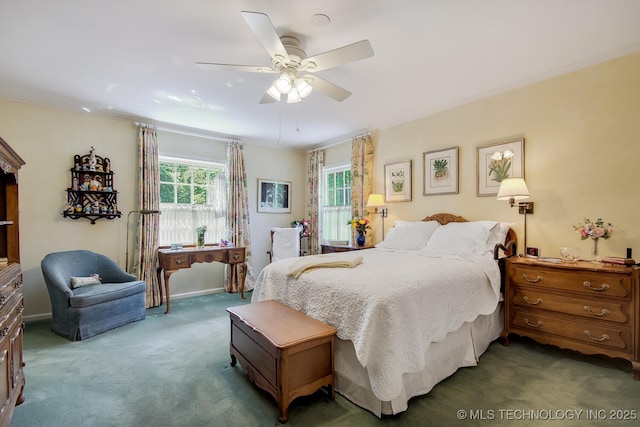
[
  {"x": 441, "y": 172},
  {"x": 274, "y": 196},
  {"x": 397, "y": 182},
  {"x": 497, "y": 162}
]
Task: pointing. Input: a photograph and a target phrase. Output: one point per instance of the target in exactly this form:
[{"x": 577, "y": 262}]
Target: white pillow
[
  {"x": 498, "y": 234},
  {"x": 460, "y": 238},
  {"x": 77, "y": 282},
  {"x": 409, "y": 235}
]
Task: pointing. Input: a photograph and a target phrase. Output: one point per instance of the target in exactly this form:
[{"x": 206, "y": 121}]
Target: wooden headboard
[{"x": 445, "y": 218}]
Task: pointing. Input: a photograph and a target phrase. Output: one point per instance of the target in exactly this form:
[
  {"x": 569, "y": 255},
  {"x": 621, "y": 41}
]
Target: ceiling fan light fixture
[
  {"x": 274, "y": 92},
  {"x": 303, "y": 87},
  {"x": 284, "y": 83},
  {"x": 293, "y": 96}
]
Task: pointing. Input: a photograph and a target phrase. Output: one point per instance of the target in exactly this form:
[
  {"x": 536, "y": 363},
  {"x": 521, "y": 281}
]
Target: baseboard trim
[{"x": 45, "y": 316}]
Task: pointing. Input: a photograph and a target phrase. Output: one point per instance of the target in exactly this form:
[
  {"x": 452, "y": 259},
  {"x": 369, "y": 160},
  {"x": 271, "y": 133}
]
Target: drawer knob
[
  {"x": 4, "y": 331},
  {"x": 538, "y": 301},
  {"x": 179, "y": 261},
  {"x": 536, "y": 280},
  {"x": 3, "y": 300},
  {"x": 236, "y": 256},
  {"x": 539, "y": 323},
  {"x": 587, "y": 285},
  {"x": 604, "y": 311},
  {"x": 604, "y": 337}
]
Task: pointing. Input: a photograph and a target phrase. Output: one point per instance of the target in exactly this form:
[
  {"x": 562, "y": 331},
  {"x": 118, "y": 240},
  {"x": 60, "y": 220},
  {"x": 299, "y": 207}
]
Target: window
[
  {"x": 191, "y": 194},
  {"x": 336, "y": 204}
]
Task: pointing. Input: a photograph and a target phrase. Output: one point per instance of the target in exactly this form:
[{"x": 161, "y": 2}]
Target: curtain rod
[
  {"x": 342, "y": 139},
  {"x": 186, "y": 132}
]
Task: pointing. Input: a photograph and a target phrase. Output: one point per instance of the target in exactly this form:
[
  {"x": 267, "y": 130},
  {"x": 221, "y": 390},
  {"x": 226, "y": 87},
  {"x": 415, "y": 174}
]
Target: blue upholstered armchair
[{"x": 82, "y": 307}]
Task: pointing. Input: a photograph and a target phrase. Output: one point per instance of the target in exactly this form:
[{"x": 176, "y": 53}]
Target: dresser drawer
[
  {"x": 584, "y": 282},
  {"x": 594, "y": 308},
  {"x": 595, "y": 333},
  {"x": 10, "y": 288}
]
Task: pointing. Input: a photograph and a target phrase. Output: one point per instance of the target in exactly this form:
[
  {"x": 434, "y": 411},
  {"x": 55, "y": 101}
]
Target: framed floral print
[
  {"x": 441, "y": 172},
  {"x": 274, "y": 196},
  {"x": 497, "y": 162},
  {"x": 397, "y": 182}
]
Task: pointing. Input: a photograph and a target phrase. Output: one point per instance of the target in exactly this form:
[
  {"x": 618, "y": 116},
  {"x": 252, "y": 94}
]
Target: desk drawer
[
  {"x": 236, "y": 255},
  {"x": 209, "y": 256},
  {"x": 177, "y": 262}
]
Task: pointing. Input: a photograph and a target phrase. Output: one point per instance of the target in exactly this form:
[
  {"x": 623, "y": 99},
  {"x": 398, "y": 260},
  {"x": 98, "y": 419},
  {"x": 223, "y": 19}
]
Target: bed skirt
[{"x": 460, "y": 348}]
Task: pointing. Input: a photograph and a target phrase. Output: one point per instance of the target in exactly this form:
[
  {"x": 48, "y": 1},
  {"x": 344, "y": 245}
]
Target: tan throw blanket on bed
[{"x": 308, "y": 263}]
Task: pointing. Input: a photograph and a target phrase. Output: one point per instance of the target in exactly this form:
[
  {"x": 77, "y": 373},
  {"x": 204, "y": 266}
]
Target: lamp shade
[
  {"x": 375, "y": 201},
  {"x": 274, "y": 92},
  {"x": 513, "y": 189},
  {"x": 304, "y": 88},
  {"x": 284, "y": 83},
  {"x": 293, "y": 96}
]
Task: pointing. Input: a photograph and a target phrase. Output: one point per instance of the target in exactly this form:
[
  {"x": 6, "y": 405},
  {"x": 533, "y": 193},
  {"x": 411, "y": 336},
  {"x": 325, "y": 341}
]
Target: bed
[{"x": 408, "y": 313}]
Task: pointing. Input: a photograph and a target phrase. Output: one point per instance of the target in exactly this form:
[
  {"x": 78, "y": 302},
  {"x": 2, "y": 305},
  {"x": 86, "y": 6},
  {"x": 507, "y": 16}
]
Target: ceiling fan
[{"x": 292, "y": 64}]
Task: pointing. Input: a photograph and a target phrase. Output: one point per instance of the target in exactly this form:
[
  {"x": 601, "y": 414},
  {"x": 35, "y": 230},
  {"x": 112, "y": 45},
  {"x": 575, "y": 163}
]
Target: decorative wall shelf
[{"x": 91, "y": 194}]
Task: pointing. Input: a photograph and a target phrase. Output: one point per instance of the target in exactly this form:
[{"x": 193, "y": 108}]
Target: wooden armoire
[{"x": 11, "y": 303}]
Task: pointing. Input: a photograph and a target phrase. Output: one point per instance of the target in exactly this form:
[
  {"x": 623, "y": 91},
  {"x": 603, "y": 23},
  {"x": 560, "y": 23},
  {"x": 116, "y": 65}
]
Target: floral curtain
[
  {"x": 361, "y": 174},
  {"x": 238, "y": 210},
  {"x": 146, "y": 248},
  {"x": 315, "y": 161}
]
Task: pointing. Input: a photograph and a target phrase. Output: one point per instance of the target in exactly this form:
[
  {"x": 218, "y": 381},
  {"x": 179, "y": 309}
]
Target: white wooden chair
[{"x": 285, "y": 243}]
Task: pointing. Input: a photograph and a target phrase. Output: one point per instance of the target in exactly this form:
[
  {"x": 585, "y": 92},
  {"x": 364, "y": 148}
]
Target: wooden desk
[{"x": 172, "y": 260}]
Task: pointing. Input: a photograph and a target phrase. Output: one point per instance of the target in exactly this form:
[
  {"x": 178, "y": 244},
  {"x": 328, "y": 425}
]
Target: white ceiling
[{"x": 135, "y": 59}]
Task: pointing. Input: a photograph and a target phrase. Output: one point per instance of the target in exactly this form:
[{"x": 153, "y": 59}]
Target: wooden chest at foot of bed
[{"x": 282, "y": 350}]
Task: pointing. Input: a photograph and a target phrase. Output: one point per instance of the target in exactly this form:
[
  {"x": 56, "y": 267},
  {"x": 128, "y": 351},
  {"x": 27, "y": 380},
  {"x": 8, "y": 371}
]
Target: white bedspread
[{"x": 391, "y": 306}]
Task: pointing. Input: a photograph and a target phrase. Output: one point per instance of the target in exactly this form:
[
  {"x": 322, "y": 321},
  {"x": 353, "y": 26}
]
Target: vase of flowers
[
  {"x": 200, "y": 232},
  {"x": 360, "y": 225},
  {"x": 594, "y": 230}
]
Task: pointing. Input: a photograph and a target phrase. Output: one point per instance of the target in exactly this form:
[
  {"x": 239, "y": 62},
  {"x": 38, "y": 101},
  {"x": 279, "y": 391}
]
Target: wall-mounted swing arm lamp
[
  {"x": 376, "y": 202},
  {"x": 141, "y": 212},
  {"x": 513, "y": 189}
]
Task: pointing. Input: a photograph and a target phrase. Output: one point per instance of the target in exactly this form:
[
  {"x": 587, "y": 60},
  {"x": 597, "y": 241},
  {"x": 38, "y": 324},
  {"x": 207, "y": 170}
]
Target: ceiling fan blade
[
  {"x": 267, "y": 99},
  {"x": 327, "y": 88},
  {"x": 261, "y": 25},
  {"x": 234, "y": 67},
  {"x": 342, "y": 55}
]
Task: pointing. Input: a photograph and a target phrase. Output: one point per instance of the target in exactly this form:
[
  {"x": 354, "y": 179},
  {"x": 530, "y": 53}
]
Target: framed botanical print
[
  {"x": 498, "y": 162},
  {"x": 441, "y": 172},
  {"x": 397, "y": 182},
  {"x": 274, "y": 196}
]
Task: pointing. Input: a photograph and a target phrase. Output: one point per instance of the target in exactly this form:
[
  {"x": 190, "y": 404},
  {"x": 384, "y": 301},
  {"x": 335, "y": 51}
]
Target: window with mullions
[
  {"x": 336, "y": 204},
  {"x": 192, "y": 194}
]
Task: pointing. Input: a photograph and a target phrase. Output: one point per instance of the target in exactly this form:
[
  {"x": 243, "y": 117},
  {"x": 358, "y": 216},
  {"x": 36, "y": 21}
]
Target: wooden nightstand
[
  {"x": 592, "y": 308},
  {"x": 327, "y": 249}
]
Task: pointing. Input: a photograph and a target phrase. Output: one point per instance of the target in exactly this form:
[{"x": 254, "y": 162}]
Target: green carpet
[{"x": 173, "y": 370}]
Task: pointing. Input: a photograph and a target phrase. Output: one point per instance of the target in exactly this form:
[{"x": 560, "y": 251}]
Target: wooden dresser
[
  {"x": 11, "y": 302},
  {"x": 328, "y": 249},
  {"x": 592, "y": 308}
]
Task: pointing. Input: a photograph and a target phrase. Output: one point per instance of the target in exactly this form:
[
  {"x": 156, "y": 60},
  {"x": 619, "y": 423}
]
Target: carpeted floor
[{"x": 173, "y": 370}]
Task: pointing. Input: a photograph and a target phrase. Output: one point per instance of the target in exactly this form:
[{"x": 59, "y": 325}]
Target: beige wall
[
  {"x": 582, "y": 145},
  {"x": 47, "y": 139}
]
